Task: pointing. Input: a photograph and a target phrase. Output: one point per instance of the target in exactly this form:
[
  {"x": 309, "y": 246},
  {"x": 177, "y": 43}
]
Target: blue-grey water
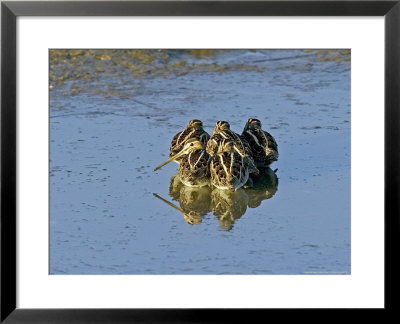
[{"x": 112, "y": 119}]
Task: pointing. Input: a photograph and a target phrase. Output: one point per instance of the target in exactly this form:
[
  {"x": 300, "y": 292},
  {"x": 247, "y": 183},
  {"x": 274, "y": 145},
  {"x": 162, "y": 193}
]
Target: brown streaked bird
[
  {"x": 194, "y": 169},
  {"x": 228, "y": 169},
  {"x": 194, "y": 129},
  {"x": 263, "y": 146},
  {"x": 223, "y": 134},
  {"x": 194, "y": 164}
]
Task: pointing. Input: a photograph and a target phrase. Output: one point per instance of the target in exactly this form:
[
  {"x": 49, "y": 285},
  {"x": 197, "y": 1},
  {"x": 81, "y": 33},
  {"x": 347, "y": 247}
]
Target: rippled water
[{"x": 112, "y": 117}]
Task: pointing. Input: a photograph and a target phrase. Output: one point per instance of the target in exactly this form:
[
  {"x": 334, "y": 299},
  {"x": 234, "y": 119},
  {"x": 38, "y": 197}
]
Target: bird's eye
[{"x": 191, "y": 144}]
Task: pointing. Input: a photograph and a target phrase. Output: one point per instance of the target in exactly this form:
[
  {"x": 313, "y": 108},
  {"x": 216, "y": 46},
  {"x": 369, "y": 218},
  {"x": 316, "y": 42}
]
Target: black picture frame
[{"x": 10, "y": 10}]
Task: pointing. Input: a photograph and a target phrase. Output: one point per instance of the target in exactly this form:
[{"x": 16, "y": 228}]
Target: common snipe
[
  {"x": 221, "y": 135},
  {"x": 228, "y": 169},
  {"x": 193, "y": 130},
  {"x": 194, "y": 164},
  {"x": 263, "y": 146}
]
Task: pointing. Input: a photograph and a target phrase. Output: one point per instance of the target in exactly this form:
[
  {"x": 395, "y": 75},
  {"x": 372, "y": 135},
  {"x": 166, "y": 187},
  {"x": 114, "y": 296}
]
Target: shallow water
[{"x": 112, "y": 121}]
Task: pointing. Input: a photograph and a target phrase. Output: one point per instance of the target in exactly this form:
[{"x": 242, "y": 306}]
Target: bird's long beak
[{"x": 172, "y": 158}]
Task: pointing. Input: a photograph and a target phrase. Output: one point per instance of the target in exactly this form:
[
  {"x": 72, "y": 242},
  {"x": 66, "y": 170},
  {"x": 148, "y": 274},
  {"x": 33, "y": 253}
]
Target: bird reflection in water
[
  {"x": 264, "y": 187},
  {"x": 228, "y": 206},
  {"x": 196, "y": 202}
]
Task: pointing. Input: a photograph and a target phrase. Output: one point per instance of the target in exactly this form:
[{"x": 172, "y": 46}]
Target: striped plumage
[
  {"x": 228, "y": 169},
  {"x": 194, "y": 129},
  {"x": 223, "y": 160},
  {"x": 194, "y": 168},
  {"x": 263, "y": 146},
  {"x": 221, "y": 135},
  {"x": 194, "y": 164}
]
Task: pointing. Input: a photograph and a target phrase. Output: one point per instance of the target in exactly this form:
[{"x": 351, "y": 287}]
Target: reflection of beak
[
  {"x": 169, "y": 203},
  {"x": 188, "y": 217},
  {"x": 172, "y": 158}
]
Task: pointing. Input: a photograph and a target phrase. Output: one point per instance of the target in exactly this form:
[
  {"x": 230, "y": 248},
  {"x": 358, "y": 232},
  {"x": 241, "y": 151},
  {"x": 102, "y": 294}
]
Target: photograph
[
  {"x": 190, "y": 161},
  {"x": 199, "y": 161}
]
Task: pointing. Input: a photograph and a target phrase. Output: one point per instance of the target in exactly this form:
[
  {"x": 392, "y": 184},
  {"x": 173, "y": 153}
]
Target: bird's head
[
  {"x": 191, "y": 145},
  {"x": 221, "y": 125},
  {"x": 195, "y": 123},
  {"x": 253, "y": 123}
]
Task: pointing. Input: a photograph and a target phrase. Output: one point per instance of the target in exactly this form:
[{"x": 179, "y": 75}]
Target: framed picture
[{"x": 283, "y": 120}]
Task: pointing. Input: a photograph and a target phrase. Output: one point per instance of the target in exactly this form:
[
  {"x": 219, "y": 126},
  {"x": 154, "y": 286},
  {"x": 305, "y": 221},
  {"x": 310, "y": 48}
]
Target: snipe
[
  {"x": 221, "y": 135},
  {"x": 228, "y": 169},
  {"x": 193, "y": 130},
  {"x": 263, "y": 146},
  {"x": 194, "y": 164}
]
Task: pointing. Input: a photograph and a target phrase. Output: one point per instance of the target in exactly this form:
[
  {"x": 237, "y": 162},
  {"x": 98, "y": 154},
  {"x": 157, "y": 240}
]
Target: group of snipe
[{"x": 225, "y": 159}]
